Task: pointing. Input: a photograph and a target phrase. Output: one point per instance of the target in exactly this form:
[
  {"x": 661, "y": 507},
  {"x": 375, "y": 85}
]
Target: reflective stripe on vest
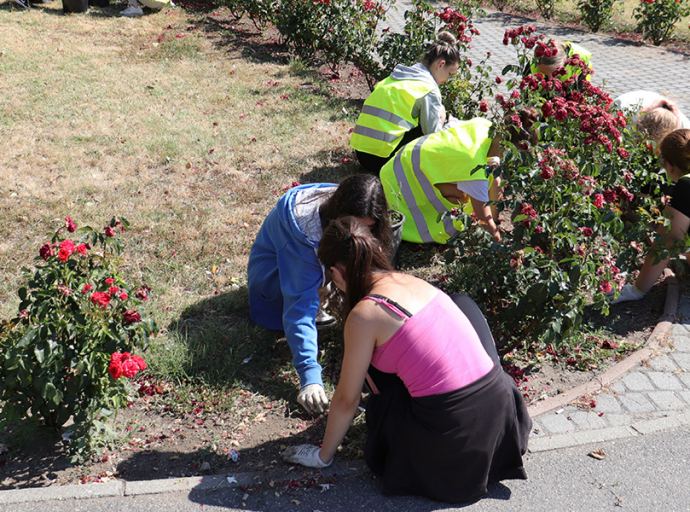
[
  {"x": 413, "y": 192},
  {"x": 387, "y": 116}
]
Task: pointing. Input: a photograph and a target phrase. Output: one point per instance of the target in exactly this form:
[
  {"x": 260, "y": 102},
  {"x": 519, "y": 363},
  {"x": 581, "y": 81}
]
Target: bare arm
[
  {"x": 483, "y": 213},
  {"x": 360, "y": 341},
  {"x": 676, "y": 231}
]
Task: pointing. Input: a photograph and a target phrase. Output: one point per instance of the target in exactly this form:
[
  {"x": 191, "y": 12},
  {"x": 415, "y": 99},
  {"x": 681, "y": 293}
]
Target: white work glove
[
  {"x": 313, "y": 398},
  {"x": 305, "y": 454},
  {"x": 628, "y": 293}
]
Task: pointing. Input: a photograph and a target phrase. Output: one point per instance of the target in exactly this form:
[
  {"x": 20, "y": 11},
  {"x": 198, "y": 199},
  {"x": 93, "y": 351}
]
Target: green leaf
[
  {"x": 27, "y": 338},
  {"x": 22, "y": 293}
]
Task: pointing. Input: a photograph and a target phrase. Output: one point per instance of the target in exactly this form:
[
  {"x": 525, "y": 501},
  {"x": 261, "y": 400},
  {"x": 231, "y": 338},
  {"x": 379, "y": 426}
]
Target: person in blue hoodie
[
  {"x": 406, "y": 105},
  {"x": 285, "y": 275}
]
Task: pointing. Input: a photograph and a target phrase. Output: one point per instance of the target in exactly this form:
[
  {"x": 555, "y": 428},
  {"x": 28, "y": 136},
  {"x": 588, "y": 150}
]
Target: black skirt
[{"x": 446, "y": 447}]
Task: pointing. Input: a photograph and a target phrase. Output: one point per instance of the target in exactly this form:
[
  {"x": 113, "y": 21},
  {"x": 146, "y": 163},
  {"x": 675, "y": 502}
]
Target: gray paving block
[
  {"x": 666, "y": 400},
  {"x": 685, "y": 379},
  {"x": 663, "y": 364},
  {"x": 552, "y": 442},
  {"x": 556, "y": 423},
  {"x": 685, "y": 395},
  {"x": 651, "y": 426},
  {"x": 617, "y": 420},
  {"x": 607, "y": 403},
  {"x": 587, "y": 420},
  {"x": 604, "y": 434},
  {"x": 664, "y": 381},
  {"x": 637, "y": 381},
  {"x": 537, "y": 430},
  {"x": 681, "y": 344},
  {"x": 63, "y": 492},
  {"x": 162, "y": 485},
  {"x": 679, "y": 330},
  {"x": 636, "y": 403},
  {"x": 683, "y": 359},
  {"x": 618, "y": 387}
]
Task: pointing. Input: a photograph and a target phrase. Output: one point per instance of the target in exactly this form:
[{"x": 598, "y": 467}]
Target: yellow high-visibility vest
[
  {"x": 387, "y": 115},
  {"x": 573, "y": 49},
  {"x": 409, "y": 178}
]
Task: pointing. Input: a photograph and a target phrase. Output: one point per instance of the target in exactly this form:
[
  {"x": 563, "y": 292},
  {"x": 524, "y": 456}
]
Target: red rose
[
  {"x": 546, "y": 172},
  {"x": 110, "y": 280},
  {"x": 109, "y": 231},
  {"x": 66, "y": 248},
  {"x": 81, "y": 248},
  {"x": 129, "y": 368},
  {"x": 131, "y": 316},
  {"x": 142, "y": 293},
  {"x": 123, "y": 296},
  {"x": 587, "y": 231},
  {"x": 115, "y": 369},
  {"x": 483, "y": 106},
  {"x": 113, "y": 290},
  {"x": 499, "y": 80},
  {"x": 598, "y": 200},
  {"x": 100, "y": 298},
  {"x": 605, "y": 287},
  {"x": 622, "y": 152},
  {"x": 610, "y": 196},
  {"x": 140, "y": 362},
  {"x": 71, "y": 226},
  {"x": 46, "y": 251},
  {"x": 561, "y": 114},
  {"x": 547, "y": 109},
  {"x": 87, "y": 288}
]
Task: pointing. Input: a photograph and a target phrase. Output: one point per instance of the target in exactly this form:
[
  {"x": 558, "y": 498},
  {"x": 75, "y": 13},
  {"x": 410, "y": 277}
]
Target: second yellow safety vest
[
  {"x": 409, "y": 178},
  {"x": 573, "y": 49},
  {"x": 387, "y": 115}
]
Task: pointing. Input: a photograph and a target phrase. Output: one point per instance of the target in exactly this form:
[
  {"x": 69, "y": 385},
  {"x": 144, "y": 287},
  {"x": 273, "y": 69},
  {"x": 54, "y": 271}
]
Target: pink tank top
[{"x": 435, "y": 351}]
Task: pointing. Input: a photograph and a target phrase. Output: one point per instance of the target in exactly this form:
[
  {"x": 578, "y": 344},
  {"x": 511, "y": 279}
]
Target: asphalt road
[{"x": 646, "y": 473}]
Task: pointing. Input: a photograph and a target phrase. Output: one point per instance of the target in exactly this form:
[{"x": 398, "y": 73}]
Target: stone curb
[
  {"x": 121, "y": 488},
  {"x": 658, "y": 335}
]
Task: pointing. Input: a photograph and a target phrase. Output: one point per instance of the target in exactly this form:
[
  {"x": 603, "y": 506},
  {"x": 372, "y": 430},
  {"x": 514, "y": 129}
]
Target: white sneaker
[{"x": 132, "y": 11}]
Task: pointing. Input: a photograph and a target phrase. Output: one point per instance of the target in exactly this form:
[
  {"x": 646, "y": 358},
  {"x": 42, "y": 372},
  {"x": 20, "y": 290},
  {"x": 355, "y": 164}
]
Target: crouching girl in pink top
[{"x": 443, "y": 420}]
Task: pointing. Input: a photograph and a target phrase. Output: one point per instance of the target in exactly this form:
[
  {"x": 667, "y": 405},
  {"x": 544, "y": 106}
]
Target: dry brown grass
[{"x": 99, "y": 117}]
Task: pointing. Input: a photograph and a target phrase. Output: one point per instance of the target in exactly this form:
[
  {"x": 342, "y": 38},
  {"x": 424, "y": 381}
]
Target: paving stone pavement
[
  {"x": 619, "y": 65},
  {"x": 653, "y": 396}
]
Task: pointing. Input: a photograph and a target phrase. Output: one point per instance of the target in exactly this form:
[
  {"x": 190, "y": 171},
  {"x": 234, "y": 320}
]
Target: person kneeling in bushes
[
  {"x": 675, "y": 154},
  {"x": 135, "y": 7}
]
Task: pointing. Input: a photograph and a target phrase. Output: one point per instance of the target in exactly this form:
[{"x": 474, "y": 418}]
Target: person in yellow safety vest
[
  {"x": 547, "y": 64},
  {"x": 405, "y": 106},
  {"x": 444, "y": 170}
]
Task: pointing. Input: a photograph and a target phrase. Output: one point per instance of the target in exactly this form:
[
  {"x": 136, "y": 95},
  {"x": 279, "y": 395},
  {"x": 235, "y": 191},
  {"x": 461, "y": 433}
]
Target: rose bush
[
  {"x": 596, "y": 14},
  {"x": 656, "y": 19},
  {"x": 76, "y": 313},
  {"x": 577, "y": 212}
]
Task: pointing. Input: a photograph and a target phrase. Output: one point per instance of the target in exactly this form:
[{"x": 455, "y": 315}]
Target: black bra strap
[{"x": 391, "y": 302}]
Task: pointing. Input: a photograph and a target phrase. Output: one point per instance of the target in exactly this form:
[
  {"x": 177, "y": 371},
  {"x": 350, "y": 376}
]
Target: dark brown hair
[
  {"x": 529, "y": 116},
  {"x": 349, "y": 243},
  {"x": 675, "y": 149},
  {"x": 445, "y": 48},
  {"x": 360, "y": 195}
]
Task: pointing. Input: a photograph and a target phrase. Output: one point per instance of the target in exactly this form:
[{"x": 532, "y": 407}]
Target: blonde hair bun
[{"x": 446, "y": 37}]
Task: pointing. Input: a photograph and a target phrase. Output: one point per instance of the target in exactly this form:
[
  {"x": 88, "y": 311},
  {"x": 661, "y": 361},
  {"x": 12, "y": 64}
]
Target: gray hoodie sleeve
[{"x": 428, "y": 109}]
